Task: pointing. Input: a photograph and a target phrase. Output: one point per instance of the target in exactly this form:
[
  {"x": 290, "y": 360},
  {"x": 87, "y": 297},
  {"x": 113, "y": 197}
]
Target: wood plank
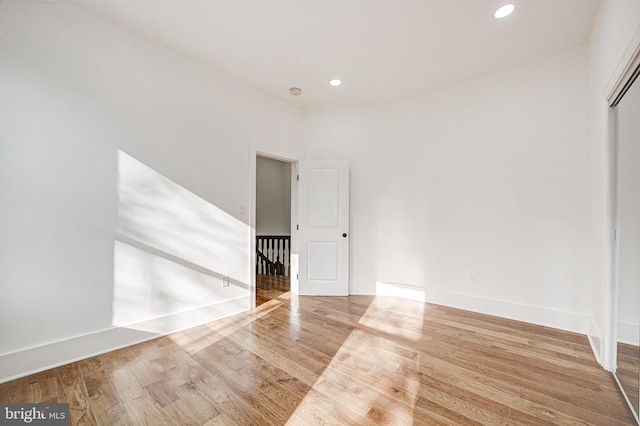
[
  {"x": 42, "y": 388},
  {"x": 105, "y": 403},
  {"x": 358, "y": 360},
  {"x": 72, "y": 390},
  {"x": 143, "y": 411},
  {"x": 15, "y": 391}
]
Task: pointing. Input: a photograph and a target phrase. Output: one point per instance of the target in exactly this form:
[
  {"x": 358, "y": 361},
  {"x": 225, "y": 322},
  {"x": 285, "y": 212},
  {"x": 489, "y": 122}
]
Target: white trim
[
  {"x": 362, "y": 288},
  {"x": 629, "y": 333},
  {"x": 539, "y": 315},
  {"x": 252, "y": 224},
  {"x": 293, "y": 243},
  {"x": 609, "y": 348},
  {"x": 629, "y": 61},
  {"x": 30, "y": 361},
  {"x": 595, "y": 340}
]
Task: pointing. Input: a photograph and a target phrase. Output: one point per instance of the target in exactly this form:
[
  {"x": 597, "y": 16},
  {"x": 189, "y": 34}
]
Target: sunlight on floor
[
  {"x": 201, "y": 337},
  {"x": 354, "y": 368}
]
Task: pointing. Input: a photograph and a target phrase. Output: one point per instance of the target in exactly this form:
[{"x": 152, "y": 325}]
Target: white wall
[
  {"x": 616, "y": 25},
  {"x": 359, "y": 135},
  {"x": 484, "y": 181},
  {"x": 114, "y": 152},
  {"x": 273, "y": 197}
]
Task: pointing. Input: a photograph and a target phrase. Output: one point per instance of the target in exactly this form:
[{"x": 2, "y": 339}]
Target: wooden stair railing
[
  {"x": 265, "y": 266},
  {"x": 272, "y": 255}
]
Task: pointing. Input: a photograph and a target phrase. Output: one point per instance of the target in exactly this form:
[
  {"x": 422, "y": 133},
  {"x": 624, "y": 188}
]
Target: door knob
[{"x": 344, "y": 235}]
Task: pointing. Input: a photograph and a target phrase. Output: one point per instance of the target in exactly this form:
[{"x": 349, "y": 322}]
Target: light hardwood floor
[
  {"x": 355, "y": 360},
  {"x": 270, "y": 287}
]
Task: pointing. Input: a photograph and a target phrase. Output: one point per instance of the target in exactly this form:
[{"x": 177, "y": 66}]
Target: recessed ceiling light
[
  {"x": 335, "y": 82},
  {"x": 504, "y": 11}
]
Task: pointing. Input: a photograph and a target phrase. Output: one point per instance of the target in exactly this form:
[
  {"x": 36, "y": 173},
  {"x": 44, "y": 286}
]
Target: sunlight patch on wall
[
  {"x": 400, "y": 290},
  {"x": 172, "y": 248}
]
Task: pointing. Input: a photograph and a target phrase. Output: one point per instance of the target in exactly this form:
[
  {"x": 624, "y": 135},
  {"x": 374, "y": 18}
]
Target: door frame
[{"x": 286, "y": 157}]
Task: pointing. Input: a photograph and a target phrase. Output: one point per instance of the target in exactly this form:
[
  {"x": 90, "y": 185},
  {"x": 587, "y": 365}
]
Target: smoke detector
[{"x": 295, "y": 91}]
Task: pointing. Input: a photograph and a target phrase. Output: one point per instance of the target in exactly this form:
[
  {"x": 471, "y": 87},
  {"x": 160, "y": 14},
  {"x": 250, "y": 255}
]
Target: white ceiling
[{"x": 381, "y": 49}]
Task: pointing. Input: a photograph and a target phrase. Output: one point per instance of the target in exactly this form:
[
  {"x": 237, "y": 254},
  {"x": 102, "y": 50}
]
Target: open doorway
[{"x": 273, "y": 229}]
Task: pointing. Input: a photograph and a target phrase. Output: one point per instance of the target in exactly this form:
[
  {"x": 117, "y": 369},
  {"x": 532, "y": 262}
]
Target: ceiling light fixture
[
  {"x": 335, "y": 82},
  {"x": 504, "y": 11},
  {"x": 295, "y": 91}
]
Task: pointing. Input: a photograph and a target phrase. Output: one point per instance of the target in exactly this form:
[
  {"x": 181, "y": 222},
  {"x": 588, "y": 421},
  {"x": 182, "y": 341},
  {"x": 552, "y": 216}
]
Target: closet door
[{"x": 628, "y": 243}]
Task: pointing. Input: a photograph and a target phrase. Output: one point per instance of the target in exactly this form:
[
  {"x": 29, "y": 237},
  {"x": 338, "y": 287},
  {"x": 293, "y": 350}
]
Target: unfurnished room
[{"x": 295, "y": 212}]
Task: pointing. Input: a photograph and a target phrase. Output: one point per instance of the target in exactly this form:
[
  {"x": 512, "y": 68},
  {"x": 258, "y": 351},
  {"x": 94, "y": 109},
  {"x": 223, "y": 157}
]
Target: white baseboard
[
  {"x": 629, "y": 333},
  {"x": 540, "y": 315},
  {"x": 362, "y": 288},
  {"x": 595, "y": 340},
  {"x": 23, "y": 363}
]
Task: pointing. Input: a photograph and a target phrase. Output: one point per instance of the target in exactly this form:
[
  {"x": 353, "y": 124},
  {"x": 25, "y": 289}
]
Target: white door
[{"x": 323, "y": 220}]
